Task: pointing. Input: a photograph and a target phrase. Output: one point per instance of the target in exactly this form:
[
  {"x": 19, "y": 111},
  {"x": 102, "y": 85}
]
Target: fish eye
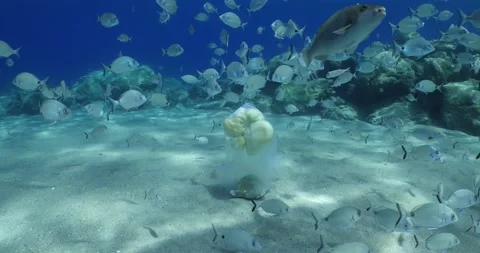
[
  {"x": 223, "y": 236},
  {"x": 359, "y": 212},
  {"x": 65, "y": 110},
  {"x": 363, "y": 7},
  {"x": 402, "y": 48},
  {"x": 452, "y": 217}
]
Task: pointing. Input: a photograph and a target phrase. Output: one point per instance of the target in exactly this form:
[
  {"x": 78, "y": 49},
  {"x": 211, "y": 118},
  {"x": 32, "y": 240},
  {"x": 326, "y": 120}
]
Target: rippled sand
[{"x": 60, "y": 192}]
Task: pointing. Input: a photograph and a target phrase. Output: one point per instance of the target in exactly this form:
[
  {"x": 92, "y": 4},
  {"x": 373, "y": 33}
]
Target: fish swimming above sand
[
  {"x": 54, "y": 111},
  {"x": 97, "y": 131},
  {"x": 235, "y": 240},
  {"x": 27, "y": 81},
  {"x": 130, "y": 99},
  {"x": 344, "y": 30},
  {"x": 273, "y": 207},
  {"x": 95, "y": 109}
]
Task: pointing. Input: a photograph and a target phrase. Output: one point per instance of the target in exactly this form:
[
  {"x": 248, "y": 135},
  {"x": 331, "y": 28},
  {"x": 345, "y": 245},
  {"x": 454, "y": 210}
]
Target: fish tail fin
[
  {"x": 86, "y": 135},
  {"x": 243, "y": 25},
  {"x": 396, "y": 48},
  {"x": 98, "y": 18},
  {"x": 164, "y": 52},
  {"x": 130, "y": 39},
  {"x": 307, "y": 58},
  {"x": 442, "y": 34},
  {"x": 403, "y": 213},
  {"x": 249, "y": 11},
  {"x": 322, "y": 245},
  {"x": 105, "y": 69},
  {"x": 17, "y": 51},
  {"x": 300, "y": 32},
  {"x": 44, "y": 81},
  {"x": 463, "y": 17},
  {"x": 238, "y": 7},
  {"x": 440, "y": 192},
  {"x": 394, "y": 28},
  {"x": 114, "y": 103},
  {"x": 412, "y": 11}
]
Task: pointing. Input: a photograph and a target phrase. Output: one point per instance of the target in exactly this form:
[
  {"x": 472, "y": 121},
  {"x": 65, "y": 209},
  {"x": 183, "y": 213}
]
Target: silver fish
[
  {"x": 97, "y": 131},
  {"x": 344, "y": 216},
  {"x": 235, "y": 240},
  {"x": 388, "y": 219},
  {"x": 122, "y": 64},
  {"x": 95, "y": 109},
  {"x": 426, "y": 86},
  {"x": 442, "y": 241},
  {"x": 108, "y": 20},
  {"x": 130, "y": 99},
  {"x": 27, "y": 81},
  {"x": 424, "y": 11},
  {"x": 474, "y": 19},
  {"x": 274, "y": 207},
  {"x": 173, "y": 50},
  {"x": 459, "y": 199},
  {"x": 430, "y": 215},
  {"x": 54, "y": 110},
  {"x": 416, "y": 47}
]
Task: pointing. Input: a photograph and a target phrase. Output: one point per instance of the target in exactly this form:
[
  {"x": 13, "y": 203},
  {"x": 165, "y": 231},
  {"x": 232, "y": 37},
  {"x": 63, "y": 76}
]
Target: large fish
[{"x": 344, "y": 30}]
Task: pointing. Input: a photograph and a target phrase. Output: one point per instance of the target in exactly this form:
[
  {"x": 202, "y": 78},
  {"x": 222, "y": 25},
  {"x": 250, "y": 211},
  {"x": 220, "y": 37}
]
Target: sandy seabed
[{"x": 60, "y": 192}]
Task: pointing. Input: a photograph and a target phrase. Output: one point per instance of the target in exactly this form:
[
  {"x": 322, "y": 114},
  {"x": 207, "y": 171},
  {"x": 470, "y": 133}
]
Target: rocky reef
[{"x": 379, "y": 95}]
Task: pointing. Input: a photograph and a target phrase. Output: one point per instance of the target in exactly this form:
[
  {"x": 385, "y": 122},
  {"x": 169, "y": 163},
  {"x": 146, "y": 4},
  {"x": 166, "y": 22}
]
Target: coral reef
[
  {"x": 369, "y": 95},
  {"x": 458, "y": 111}
]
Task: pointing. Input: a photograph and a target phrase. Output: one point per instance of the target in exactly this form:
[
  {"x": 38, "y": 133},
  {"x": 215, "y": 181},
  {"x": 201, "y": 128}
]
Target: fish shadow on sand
[{"x": 216, "y": 191}]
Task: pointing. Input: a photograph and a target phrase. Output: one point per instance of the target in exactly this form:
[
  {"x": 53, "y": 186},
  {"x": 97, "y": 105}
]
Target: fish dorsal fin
[
  {"x": 342, "y": 30},
  {"x": 120, "y": 54}
]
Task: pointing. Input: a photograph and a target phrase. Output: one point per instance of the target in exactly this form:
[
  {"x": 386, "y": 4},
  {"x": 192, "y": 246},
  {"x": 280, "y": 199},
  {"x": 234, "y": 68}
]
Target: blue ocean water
[{"x": 63, "y": 40}]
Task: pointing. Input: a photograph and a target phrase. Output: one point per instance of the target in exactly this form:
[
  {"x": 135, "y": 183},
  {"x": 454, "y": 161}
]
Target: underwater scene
[{"x": 276, "y": 126}]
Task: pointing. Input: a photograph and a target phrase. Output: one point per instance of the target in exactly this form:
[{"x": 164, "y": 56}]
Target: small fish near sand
[
  {"x": 53, "y": 110},
  {"x": 273, "y": 208},
  {"x": 97, "y": 131},
  {"x": 130, "y": 99},
  {"x": 202, "y": 140},
  {"x": 235, "y": 240}
]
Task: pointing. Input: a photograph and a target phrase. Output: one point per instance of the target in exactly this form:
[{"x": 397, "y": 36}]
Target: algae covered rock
[
  {"x": 439, "y": 67},
  {"x": 92, "y": 86},
  {"x": 399, "y": 114},
  {"x": 458, "y": 110},
  {"x": 301, "y": 94},
  {"x": 342, "y": 112}
]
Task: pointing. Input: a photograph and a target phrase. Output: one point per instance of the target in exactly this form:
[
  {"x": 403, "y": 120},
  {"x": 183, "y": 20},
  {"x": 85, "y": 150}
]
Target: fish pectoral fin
[
  {"x": 342, "y": 30},
  {"x": 351, "y": 48}
]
